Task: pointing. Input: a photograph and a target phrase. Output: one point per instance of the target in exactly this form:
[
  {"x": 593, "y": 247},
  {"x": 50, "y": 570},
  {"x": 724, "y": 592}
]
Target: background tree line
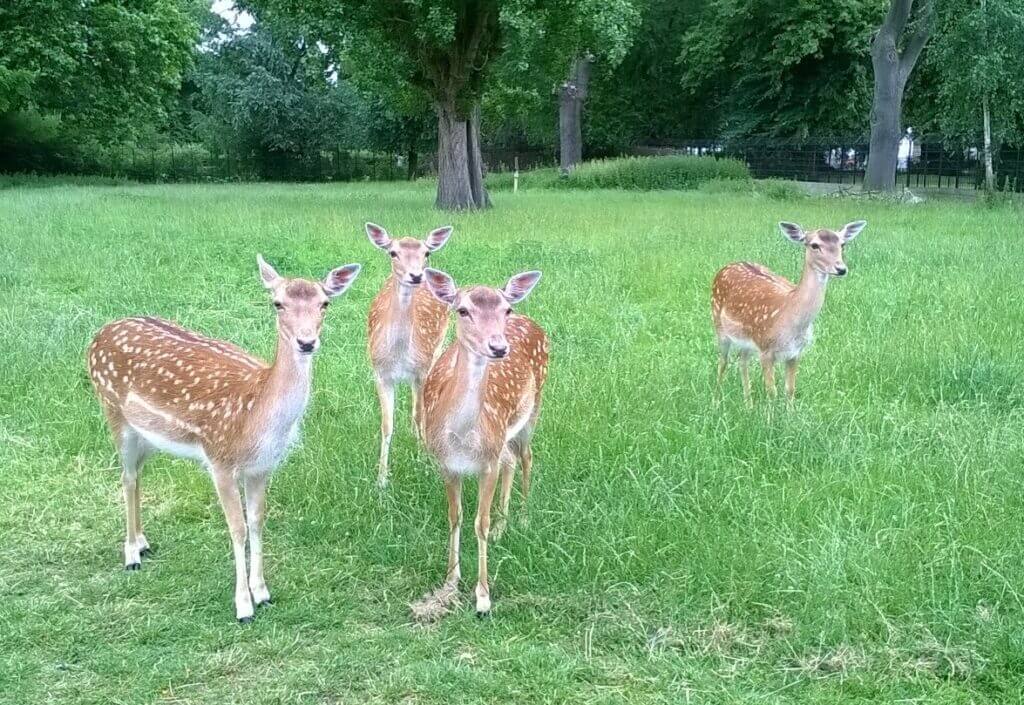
[{"x": 452, "y": 77}]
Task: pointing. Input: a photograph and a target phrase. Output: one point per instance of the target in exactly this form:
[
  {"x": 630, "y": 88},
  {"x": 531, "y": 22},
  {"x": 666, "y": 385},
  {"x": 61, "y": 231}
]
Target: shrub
[
  {"x": 653, "y": 173},
  {"x": 780, "y": 190},
  {"x": 729, "y": 186}
]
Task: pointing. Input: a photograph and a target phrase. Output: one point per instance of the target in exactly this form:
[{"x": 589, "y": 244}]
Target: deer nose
[
  {"x": 840, "y": 271},
  {"x": 415, "y": 278},
  {"x": 498, "y": 350},
  {"x": 306, "y": 346}
]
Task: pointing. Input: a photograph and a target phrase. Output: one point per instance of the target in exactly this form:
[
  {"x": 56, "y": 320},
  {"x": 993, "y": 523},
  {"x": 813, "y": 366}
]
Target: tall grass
[
  {"x": 633, "y": 174},
  {"x": 864, "y": 548}
]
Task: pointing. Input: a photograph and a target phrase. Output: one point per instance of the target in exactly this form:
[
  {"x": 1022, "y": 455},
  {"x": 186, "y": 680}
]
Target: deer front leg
[
  {"x": 386, "y": 394},
  {"x": 255, "y": 513},
  {"x": 791, "y": 367},
  {"x": 768, "y": 370},
  {"x": 488, "y": 481},
  {"x": 231, "y": 503},
  {"x": 453, "y": 488},
  {"x": 745, "y": 376},
  {"x": 723, "y": 364},
  {"x": 415, "y": 387}
]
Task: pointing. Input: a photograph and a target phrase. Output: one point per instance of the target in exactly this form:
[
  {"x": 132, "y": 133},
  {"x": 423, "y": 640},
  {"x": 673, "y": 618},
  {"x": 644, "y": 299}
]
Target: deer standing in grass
[
  {"x": 164, "y": 388},
  {"x": 479, "y": 408},
  {"x": 756, "y": 310},
  {"x": 406, "y": 327}
]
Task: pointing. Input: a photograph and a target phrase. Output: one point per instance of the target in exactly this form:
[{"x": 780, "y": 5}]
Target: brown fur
[
  {"x": 758, "y": 310},
  {"x": 480, "y": 405},
  {"x": 165, "y": 388}
]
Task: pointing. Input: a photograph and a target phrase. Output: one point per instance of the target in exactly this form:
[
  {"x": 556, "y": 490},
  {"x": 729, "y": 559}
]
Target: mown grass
[{"x": 865, "y": 548}]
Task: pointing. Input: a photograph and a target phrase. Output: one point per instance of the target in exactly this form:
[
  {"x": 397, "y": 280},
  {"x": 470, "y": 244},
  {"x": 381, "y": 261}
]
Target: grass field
[{"x": 867, "y": 547}]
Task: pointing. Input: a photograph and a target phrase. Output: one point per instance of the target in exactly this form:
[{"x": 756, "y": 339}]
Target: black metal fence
[{"x": 922, "y": 163}]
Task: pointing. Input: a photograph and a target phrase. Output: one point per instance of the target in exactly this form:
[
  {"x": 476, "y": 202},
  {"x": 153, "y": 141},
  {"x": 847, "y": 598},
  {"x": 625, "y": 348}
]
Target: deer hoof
[{"x": 133, "y": 566}]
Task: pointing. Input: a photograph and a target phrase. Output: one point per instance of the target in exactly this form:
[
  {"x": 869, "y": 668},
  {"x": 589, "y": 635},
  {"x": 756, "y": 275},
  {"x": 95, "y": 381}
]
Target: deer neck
[
  {"x": 401, "y": 298},
  {"x": 285, "y": 392},
  {"x": 467, "y": 389},
  {"x": 806, "y": 299}
]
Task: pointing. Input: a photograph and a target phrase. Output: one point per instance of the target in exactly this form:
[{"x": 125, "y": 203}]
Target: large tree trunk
[
  {"x": 892, "y": 69},
  {"x": 886, "y": 111},
  {"x": 459, "y": 166},
  {"x": 571, "y": 97}
]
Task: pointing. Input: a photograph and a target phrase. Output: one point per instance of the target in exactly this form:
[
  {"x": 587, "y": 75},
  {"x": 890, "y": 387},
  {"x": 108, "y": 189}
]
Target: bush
[
  {"x": 780, "y": 190},
  {"x": 728, "y": 186},
  {"x": 653, "y": 173}
]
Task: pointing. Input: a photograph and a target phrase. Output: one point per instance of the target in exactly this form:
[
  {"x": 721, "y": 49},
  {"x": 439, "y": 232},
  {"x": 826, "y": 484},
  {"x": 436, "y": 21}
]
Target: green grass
[{"x": 868, "y": 547}]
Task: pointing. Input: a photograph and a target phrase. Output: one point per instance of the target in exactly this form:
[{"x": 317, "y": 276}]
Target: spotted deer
[
  {"x": 756, "y": 310},
  {"x": 480, "y": 404},
  {"x": 406, "y": 327},
  {"x": 165, "y": 388}
]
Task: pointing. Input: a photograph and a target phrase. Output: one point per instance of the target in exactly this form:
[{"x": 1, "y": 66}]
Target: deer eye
[
  {"x": 508, "y": 312},
  {"x": 278, "y": 305},
  {"x": 815, "y": 246},
  {"x": 463, "y": 312},
  {"x": 324, "y": 305},
  {"x": 393, "y": 253},
  {"x": 427, "y": 255}
]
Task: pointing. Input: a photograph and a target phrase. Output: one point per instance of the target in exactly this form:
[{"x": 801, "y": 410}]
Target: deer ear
[
  {"x": 519, "y": 286},
  {"x": 793, "y": 231},
  {"x": 268, "y": 274},
  {"x": 340, "y": 279},
  {"x": 378, "y": 236},
  {"x": 436, "y": 239},
  {"x": 852, "y": 230},
  {"x": 441, "y": 286}
]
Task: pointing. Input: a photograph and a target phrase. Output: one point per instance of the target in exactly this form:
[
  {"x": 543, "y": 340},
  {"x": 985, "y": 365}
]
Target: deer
[
  {"x": 406, "y": 328},
  {"x": 479, "y": 408},
  {"x": 165, "y": 388},
  {"x": 756, "y": 310}
]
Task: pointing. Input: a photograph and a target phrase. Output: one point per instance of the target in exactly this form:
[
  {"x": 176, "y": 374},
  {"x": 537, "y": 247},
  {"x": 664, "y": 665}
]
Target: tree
[
  {"x": 977, "y": 57},
  {"x": 895, "y": 49},
  {"x": 788, "y": 69},
  {"x": 446, "y": 50},
  {"x": 107, "y": 68},
  {"x": 269, "y": 99}
]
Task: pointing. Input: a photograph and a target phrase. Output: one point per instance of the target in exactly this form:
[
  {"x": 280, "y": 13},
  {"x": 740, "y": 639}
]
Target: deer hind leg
[
  {"x": 231, "y": 503},
  {"x": 132, "y": 450},
  {"x": 507, "y": 473},
  {"x": 745, "y": 376},
  {"x": 488, "y": 481},
  {"x": 255, "y": 513},
  {"x": 768, "y": 370},
  {"x": 791, "y": 367},
  {"x": 386, "y": 394}
]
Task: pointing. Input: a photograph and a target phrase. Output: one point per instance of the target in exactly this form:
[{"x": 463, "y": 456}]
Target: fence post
[{"x": 515, "y": 175}]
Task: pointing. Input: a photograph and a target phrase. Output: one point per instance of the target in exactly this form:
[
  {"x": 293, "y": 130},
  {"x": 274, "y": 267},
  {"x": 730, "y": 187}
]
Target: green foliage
[
  {"x": 976, "y": 53},
  {"x": 780, "y": 190},
  {"x": 636, "y": 174},
  {"x": 264, "y": 98},
  {"x": 652, "y": 173},
  {"x": 792, "y": 69},
  {"x": 109, "y": 69}
]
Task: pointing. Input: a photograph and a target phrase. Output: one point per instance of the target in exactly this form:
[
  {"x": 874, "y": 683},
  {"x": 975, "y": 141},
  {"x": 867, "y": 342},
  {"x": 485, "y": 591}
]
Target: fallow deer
[
  {"x": 165, "y": 388},
  {"x": 756, "y": 310},
  {"x": 406, "y": 327},
  {"x": 480, "y": 404}
]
